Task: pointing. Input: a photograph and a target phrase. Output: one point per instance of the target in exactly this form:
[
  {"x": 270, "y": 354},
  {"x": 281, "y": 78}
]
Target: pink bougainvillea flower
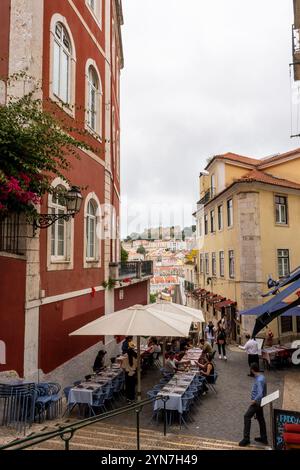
[
  {"x": 13, "y": 185},
  {"x": 25, "y": 178}
]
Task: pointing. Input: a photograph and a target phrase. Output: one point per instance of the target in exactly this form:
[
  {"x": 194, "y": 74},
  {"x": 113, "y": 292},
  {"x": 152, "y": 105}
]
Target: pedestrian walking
[
  {"x": 259, "y": 390},
  {"x": 221, "y": 340},
  {"x": 251, "y": 348},
  {"x": 210, "y": 333}
]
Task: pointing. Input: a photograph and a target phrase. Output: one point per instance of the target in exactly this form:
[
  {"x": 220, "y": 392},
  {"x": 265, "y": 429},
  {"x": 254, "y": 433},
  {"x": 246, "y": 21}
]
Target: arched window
[
  {"x": 92, "y": 230},
  {"x": 62, "y": 56},
  {"x": 58, "y": 229},
  {"x": 95, "y": 7},
  {"x": 91, "y": 223},
  {"x": 93, "y": 98}
]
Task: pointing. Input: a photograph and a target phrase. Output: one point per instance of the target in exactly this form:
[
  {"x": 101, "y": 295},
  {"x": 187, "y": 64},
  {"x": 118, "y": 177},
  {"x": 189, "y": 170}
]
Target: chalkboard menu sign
[{"x": 282, "y": 417}]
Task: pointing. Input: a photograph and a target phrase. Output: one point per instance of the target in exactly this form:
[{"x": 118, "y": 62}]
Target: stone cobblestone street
[{"x": 220, "y": 416}]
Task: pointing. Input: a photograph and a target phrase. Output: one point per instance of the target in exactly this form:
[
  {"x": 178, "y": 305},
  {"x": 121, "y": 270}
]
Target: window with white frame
[
  {"x": 281, "y": 210},
  {"x": 118, "y": 153},
  {"x": 95, "y": 6},
  {"x": 222, "y": 266},
  {"x": 206, "y": 263},
  {"x": 220, "y": 217},
  {"x": 62, "y": 57},
  {"x": 201, "y": 263},
  {"x": 212, "y": 221},
  {"x": 59, "y": 228},
  {"x": 213, "y": 264},
  {"x": 231, "y": 264},
  {"x": 229, "y": 213},
  {"x": 94, "y": 100},
  {"x": 205, "y": 224},
  {"x": 283, "y": 262},
  {"x": 114, "y": 135},
  {"x": 91, "y": 234}
]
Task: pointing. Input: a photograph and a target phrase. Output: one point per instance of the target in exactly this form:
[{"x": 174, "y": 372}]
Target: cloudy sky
[{"x": 201, "y": 77}]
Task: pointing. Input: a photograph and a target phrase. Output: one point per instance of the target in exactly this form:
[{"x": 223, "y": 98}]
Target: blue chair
[
  {"x": 99, "y": 401},
  {"x": 43, "y": 400}
]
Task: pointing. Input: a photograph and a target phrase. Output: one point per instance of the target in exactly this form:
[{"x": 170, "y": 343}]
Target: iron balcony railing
[
  {"x": 128, "y": 269},
  {"x": 66, "y": 433},
  {"x": 134, "y": 269},
  {"x": 210, "y": 194},
  {"x": 10, "y": 240},
  {"x": 147, "y": 268}
]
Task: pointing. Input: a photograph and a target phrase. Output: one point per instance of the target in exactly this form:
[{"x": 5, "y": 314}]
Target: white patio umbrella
[
  {"x": 192, "y": 313},
  {"x": 138, "y": 320}
]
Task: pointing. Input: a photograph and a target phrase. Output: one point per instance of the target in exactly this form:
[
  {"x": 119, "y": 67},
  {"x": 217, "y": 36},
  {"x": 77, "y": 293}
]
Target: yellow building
[{"x": 248, "y": 224}]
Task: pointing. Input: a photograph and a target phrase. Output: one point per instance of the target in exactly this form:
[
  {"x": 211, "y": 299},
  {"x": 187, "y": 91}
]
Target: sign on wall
[{"x": 282, "y": 417}]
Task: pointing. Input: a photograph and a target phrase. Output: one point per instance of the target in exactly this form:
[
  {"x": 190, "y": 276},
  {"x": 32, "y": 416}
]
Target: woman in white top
[{"x": 210, "y": 333}]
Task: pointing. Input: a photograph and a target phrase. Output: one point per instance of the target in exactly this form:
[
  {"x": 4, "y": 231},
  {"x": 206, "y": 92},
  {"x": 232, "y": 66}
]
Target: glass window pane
[
  {"x": 56, "y": 68},
  {"x": 64, "y": 77}
]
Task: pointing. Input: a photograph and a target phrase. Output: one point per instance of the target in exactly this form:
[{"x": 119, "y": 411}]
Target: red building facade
[{"x": 53, "y": 284}]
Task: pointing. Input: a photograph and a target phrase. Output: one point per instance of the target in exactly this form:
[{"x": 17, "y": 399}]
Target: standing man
[
  {"x": 251, "y": 348},
  {"x": 259, "y": 390}
]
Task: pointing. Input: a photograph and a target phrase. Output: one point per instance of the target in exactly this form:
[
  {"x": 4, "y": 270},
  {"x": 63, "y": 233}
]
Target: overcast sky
[{"x": 201, "y": 77}]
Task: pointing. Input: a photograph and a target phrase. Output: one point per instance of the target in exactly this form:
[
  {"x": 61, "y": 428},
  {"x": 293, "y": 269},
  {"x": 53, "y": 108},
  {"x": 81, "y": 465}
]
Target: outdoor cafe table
[
  {"x": 192, "y": 355},
  {"x": 269, "y": 352},
  {"x": 83, "y": 393},
  {"x": 175, "y": 389}
]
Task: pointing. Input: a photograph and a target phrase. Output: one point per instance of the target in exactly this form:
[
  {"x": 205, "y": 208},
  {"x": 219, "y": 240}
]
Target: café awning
[{"x": 225, "y": 303}]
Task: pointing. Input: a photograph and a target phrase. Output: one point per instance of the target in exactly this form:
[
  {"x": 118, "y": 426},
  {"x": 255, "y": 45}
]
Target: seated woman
[
  {"x": 171, "y": 364},
  {"x": 99, "y": 361},
  {"x": 207, "y": 370}
]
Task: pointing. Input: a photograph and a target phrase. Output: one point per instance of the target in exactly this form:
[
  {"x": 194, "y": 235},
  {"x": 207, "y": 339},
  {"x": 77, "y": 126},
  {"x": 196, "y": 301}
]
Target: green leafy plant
[
  {"x": 35, "y": 147},
  {"x": 110, "y": 284}
]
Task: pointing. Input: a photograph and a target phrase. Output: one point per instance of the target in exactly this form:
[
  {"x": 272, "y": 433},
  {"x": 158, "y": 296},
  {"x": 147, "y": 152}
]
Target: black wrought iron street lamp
[{"x": 73, "y": 201}]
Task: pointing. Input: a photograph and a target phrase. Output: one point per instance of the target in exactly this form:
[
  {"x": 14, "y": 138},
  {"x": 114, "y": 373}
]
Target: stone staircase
[{"x": 110, "y": 437}]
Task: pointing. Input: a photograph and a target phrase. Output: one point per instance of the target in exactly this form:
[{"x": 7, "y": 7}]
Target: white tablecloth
[
  {"x": 82, "y": 394},
  {"x": 175, "y": 389}
]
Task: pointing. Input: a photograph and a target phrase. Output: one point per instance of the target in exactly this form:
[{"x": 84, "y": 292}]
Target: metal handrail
[{"x": 67, "y": 432}]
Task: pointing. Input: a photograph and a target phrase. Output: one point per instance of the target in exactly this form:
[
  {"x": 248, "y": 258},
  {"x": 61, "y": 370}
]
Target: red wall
[
  {"x": 59, "y": 319},
  {"x": 89, "y": 174},
  {"x": 133, "y": 295},
  {"x": 4, "y": 36},
  {"x": 12, "y": 317}
]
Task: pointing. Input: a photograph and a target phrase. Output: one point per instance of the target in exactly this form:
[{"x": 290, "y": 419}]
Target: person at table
[
  {"x": 171, "y": 364},
  {"x": 210, "y": 332},
  {"x": 155, "y": 347},
  {"x": 99, "y": 361},
  {"x": 207, "y": 370},
  {"x": 175, "y": 346},
  {"x": 205, "y": 346},
  {"x": 125, "y": 344},
  {"x": 259, "y": 391},
  {"x": 129, "y": 364},
  {"x": 251, "y": 348}
]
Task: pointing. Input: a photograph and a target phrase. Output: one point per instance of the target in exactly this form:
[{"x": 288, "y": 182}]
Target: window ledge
[
  {"x": 6, "y": 254},
  {"x": 68, "y": 110},
  {"x": 279, "y": 224},
  {"x": 93, "y": 133}
]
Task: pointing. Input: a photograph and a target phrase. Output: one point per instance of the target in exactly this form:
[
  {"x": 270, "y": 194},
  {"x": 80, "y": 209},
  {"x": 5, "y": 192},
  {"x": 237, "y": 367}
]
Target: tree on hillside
[
  {"x": 124, "y": 254},
  {"x": 141, "y": 250}
]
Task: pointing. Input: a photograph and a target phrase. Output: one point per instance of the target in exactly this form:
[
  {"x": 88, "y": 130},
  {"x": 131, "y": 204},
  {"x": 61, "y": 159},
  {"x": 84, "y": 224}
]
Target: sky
[{"x": 201, "y": 78}]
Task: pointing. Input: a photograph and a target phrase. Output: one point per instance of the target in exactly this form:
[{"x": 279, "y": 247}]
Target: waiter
[{"x": 251, "y": 347}]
